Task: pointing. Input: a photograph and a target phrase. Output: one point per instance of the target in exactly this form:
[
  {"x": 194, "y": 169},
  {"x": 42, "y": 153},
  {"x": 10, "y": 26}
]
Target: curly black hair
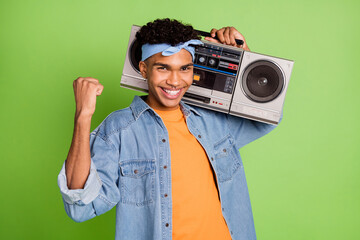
[{"x": 166, "y": 30}]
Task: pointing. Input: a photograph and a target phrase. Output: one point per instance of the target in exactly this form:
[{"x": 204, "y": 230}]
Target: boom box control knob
[{"x": 212, "y": 62}]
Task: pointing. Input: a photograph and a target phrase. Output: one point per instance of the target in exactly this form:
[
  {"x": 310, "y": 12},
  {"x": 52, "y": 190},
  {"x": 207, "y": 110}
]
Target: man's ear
[{"x": 143, "y": 69}]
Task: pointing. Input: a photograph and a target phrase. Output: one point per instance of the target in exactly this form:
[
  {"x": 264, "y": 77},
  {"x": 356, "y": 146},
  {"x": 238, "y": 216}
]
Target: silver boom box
[{"x": 226, "y": 79}]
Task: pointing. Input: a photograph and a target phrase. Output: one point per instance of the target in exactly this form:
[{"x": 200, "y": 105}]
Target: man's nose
[{"x": 174, "y": 79}]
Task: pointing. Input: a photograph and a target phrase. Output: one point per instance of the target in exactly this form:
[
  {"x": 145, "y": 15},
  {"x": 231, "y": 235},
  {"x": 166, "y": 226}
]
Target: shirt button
[
  {"x": 136, "y": 171},
  {"x": 224, "y": 150},
  {"x": 165, "y": 195},
  {"x": 163, "y": 140},
  {"x": 166, "y": 225},
  {"x": 165, "y": 167},
  {"x": 212, "y": 159},
  {"x": 199, "y": 136}
]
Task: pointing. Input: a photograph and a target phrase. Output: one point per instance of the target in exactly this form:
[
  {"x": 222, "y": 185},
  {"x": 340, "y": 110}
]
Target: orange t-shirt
[{"x": 196, "y": 206}]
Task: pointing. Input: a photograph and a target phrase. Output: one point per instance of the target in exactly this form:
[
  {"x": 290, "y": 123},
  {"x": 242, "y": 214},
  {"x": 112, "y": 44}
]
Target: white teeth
[{"x": 171, "y": 92}]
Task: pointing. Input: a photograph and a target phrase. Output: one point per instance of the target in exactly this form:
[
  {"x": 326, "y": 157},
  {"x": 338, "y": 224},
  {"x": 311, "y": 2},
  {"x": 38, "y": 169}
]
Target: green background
[{"x": 303, "y": 177}]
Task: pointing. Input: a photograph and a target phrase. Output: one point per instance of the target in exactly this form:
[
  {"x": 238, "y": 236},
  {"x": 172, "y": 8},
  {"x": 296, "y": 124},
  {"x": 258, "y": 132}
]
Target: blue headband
[{"x": 167, "y": 50}]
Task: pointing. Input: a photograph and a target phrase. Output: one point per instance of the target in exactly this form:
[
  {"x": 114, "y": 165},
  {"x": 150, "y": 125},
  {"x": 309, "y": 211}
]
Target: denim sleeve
[
  {"x": 245, "y": 130},
  {"x": 100, "y": 192},
  {"x": 85, "y": 195}
]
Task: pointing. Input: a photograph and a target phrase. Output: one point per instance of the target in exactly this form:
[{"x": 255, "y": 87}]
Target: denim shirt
[{"x": 131, "y": 168}]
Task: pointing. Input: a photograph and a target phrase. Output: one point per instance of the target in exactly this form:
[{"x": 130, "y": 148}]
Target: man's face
[{"x": 169, "y": 77}]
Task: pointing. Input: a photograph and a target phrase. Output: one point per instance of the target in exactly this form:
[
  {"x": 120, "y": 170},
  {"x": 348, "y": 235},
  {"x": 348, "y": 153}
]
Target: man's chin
[
  {"x": 171, "y": 105},
  {"x": 163, "y": 102}
]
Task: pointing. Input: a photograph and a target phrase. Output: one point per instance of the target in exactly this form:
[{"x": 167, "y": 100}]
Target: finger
[
  {"x": 238, "y": 35},
  {"x": 227, "y": 36},
  {"x": 77, "y": 84},
  {"x": 77, "y": 81},
  {"x": 232, "y": 36},
  {"x": 81, "y": 81},
  {"x": 74, "y": 87},
  {"x": 91, "y": 86},
  {"x": 90, "y": 79},
  {"x": 213, "y": 32},
  {"x": 99, "y": 89},
  {"x": 220, "y": 35},
  {"x": 211, "y": 39},
  {"x": 86, "y": 84}
]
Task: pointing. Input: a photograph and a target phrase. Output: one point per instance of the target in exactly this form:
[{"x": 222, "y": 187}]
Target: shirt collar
[
  {"x": 187, "y": 109},
  {"x": 138, "y": 106}
]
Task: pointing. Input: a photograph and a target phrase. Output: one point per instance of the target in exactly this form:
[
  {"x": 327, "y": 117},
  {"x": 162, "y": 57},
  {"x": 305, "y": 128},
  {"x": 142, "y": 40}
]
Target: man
[{"x": 172, "y": 170}]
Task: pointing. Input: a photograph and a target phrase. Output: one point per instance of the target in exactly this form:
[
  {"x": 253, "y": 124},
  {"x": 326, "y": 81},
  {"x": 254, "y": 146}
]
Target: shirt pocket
[
  {"x": 227, "y": 160},
  {"x": 137, "y": 181}
]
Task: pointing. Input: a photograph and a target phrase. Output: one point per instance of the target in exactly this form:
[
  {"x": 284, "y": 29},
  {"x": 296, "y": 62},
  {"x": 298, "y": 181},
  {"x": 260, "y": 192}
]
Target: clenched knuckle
[
  {"x": 92, "y": 79},
  {"x": 86, "y": 83}
]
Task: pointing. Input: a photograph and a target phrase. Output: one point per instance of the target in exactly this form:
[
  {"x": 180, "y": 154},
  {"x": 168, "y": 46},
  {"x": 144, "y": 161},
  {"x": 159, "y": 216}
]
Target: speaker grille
[
  {"x": 262, "y": 81},
  {"x": 135, "y": 55}
]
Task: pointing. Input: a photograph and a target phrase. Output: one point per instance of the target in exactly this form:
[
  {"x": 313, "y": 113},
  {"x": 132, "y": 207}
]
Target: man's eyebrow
[
  {"x": 161, "y": 64},
  {"x": 187, "y": 65}
]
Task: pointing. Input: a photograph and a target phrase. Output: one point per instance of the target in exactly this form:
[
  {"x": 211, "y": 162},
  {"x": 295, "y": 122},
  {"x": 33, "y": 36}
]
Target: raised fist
[{"x": 85, "y": 91}]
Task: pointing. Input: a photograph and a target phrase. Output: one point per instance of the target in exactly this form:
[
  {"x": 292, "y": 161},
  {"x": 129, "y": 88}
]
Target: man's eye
[
  {"x": 161, "y": 68},
  {"x": 186, "y": 68}
]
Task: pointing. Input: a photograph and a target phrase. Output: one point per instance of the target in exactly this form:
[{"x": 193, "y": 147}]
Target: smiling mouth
[{"x": 171, "y": 93}]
